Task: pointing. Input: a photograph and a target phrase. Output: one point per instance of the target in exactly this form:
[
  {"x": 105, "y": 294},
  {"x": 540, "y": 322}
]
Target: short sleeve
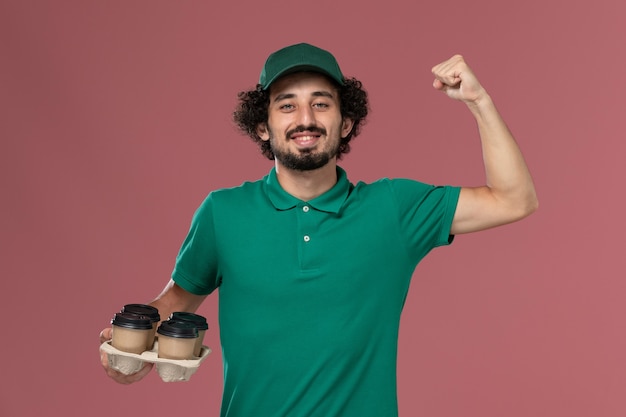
[
  {"x": 425, "y": 214},
  {"x": 196, "y": 268}
]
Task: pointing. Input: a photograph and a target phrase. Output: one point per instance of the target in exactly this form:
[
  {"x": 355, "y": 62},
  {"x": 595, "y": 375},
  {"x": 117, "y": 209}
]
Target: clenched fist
[{"x": 455, "y": 78}]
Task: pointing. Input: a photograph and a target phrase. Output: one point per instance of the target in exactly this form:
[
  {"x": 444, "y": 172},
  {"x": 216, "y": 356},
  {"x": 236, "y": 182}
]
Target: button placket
[
  {"x": 306, "y": 209},
  {"x": 308, "y": 219}
]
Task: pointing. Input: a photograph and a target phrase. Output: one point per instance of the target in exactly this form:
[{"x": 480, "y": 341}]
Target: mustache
[{"x": 312, "y": 129}]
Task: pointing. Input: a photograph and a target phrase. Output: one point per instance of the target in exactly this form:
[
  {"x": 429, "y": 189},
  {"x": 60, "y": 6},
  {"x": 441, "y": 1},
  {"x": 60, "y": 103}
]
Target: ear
[
  {"x": 346, "y": 126},
  {"x": 262, "y": 132}
]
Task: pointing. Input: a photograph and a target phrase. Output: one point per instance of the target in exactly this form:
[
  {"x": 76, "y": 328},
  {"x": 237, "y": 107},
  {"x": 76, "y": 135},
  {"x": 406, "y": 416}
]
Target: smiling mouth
[{"x": 305, "y": 141}]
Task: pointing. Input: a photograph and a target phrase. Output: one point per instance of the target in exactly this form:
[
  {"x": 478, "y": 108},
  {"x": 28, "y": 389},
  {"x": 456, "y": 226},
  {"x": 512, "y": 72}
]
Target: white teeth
[{"x": 305, "y": 138}]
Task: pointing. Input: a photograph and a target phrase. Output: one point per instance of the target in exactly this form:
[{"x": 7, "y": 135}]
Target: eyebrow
[{"x": 286, "y": 96}]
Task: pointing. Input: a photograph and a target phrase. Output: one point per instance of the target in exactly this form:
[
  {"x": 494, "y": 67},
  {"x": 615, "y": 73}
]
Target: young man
[{"x": 313, "y": 270}]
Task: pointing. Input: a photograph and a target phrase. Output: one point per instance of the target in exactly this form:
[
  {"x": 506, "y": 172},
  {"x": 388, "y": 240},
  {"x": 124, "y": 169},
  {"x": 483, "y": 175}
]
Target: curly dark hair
[{"x": 252, "y": 110}]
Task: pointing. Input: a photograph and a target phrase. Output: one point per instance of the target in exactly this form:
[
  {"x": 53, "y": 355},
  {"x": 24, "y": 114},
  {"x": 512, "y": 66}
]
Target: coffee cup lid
[
  {"x": 178, "y": 328},
  {"x": 142, "y": 310},
  {"x": 196, "y": 319},
  {"x": 131, "y": 321}
]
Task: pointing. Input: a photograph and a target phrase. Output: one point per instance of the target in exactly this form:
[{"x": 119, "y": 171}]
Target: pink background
[{"x": 115, "y": 123}]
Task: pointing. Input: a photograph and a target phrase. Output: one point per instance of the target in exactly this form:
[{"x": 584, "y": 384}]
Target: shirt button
[
  {"x": 307, "y": 238},
  {"x": 305, "y": 209}
]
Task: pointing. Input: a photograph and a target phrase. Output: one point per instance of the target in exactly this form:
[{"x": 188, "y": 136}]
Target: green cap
[{"x": 300, "y": 57}]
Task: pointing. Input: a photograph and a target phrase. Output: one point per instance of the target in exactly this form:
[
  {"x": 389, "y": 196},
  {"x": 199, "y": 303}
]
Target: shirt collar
[{"x": 331, "y": 201}]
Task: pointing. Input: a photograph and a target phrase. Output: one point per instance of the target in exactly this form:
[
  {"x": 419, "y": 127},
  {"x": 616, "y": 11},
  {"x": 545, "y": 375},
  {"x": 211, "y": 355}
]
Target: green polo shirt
[{"x": 310, "y": 292}]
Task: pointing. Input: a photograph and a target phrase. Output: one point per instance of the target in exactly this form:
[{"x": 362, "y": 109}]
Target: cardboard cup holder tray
[{"x": 170, "y": 370}]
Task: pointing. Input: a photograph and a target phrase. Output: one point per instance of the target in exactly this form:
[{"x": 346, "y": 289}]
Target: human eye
[
  {"x": 321, "y": 105},
  {"x": 286, "y": 107}
]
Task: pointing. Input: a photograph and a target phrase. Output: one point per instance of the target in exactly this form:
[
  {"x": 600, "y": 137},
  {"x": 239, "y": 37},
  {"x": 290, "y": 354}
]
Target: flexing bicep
[{"x": 479, "y": 209}]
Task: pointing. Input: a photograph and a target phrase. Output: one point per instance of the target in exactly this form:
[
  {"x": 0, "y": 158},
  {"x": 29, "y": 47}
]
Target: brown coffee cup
[
  {"x": 200, "y": 323},
  {"x": 130, "y": 332},
  {"x": 145, "y": 310},
  {"x": 177, "y": 339}
]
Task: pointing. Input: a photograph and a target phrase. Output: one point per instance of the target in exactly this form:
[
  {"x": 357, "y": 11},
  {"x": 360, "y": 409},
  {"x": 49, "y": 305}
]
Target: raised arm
[{"x": 509, "y": 193}]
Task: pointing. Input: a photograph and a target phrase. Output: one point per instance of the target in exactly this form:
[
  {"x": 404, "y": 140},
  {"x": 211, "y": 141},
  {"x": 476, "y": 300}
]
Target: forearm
[
  {"x": 174, "y": 298},
  {"x": 507, "y": 175}
]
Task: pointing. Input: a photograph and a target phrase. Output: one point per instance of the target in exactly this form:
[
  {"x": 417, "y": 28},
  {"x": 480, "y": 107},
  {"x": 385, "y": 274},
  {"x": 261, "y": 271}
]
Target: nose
[{"x": 305, "y": 116}]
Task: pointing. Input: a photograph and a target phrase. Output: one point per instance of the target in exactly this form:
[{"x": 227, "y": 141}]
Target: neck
[{"x": 306, "y": 185}]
